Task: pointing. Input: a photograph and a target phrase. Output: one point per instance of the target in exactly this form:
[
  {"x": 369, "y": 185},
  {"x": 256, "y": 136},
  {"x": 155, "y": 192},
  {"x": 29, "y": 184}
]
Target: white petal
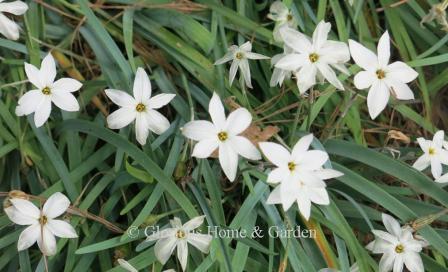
[
  {"x": 320, "y": 34},
  {"x": 377, "y": 98},
  {"x": 413, "y": 262},
  {"x": 121, "y": 118},
  {"x": 48, "y": 70},
  {"x": 319, "y": 196},
  {"x": 19, "y": 218},
  {"x": 157, "y": 123},
  {"x": 227, "y": 57},
  {"x": 216, "y": 110},
  {"x": 295, "y": 40},
  {"x": 47, "y": 243},
  {"x": 363, "y": 57},
  {"x": 364, "y": 79},
  {"x": 182, "y": 253},
  {"x": 245, "y": 148},
  {"x": 9, "y": 28},
  {"x": 398, "y": 264},
  {"x": 164, "y": 248},
  {"x": 424, "y": 144},
  {"x": 291, "y": 62},
  {"x": 245, "y": 71},
  {"x": 141, "y": 128},
  {"x": 160, "y": 100},
  {"x": 442, "y": 179},
  {"x": 193, "y": 223},
  {"x": 312, "y": 160},
  {"x": 26, "y": 207},
  {"x": 334, "y": 52},
  {"x": 275, "y": 153},
  {"x": 165, "y": 233},
  {"x": 386, "y": 262},
  {"x": 289, "y": 192},
  {"x": 302, "y": 145},
  {"x": 391, "y": 224},
  {"x": 277, "y": 77},
  {"x": 306, "y": 77},
  {"x": 304, "y": 206},
  {"x": 232, "y": 71},
  {"x": 142, "y": 86},
  {"x": 385, "y": 236},
  {"x": 56, "y": 205},
  {"x": 275, "y": 196},
  {"x": 33, "y": 75},
  {"x": 438, "y": 139},
  {"x": 247, "y": 46},
  {"x": 121, "y": 98},
  {"x": 61, "y": 229},
  {"x": 200, "y": 241},
  {"x": 66, "y": 85},
  {"x": 384, "y": 49},
  {"x": 228, "y": 159},
  {"x": 126, "y": 265},
  {"x": 15, "y": 7},
  {"x": 330, "y": 75},
  {"x": 400, "y": 89},
  {"x": 176, "y": 223},
  {"x": 204, "y": 148},
  {"x": 42, "y": 112},
  {"x": 436, "y": 167},
  {"x": 327, "y": 174},
  {"x": 28, "y": 237},
  {"x": 443, "y": 156},
  {"x": 199, "y": 130},
  {"x": 278, "y": 175},
  {"x": 401, "y": 71},
  {"x": 238, "y": 121},
  {"x": 29, "y": 102},
  {"x": 255, "y": 56},
  {"x": 65, "y": 101}
]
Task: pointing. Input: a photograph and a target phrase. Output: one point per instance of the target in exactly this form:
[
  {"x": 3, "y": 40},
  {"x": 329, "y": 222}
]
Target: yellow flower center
[
  {"x": 291, "y": 166},
  {"x": 289, "y": 17},
  {"x": 399, "y": 248},
  {"x": 314, "y": 57},
  {"x": 239, "y": 55},
  {"x": 140, "y": 107},
  {"x": 180, "y": 234},
  {"x": 46, "y": 91},
  {"x": 380, "y": 74},
  {"x": 43, "y": 220},
  {"x": 222, "y": 136},
  {"x": 431, "y": 151}
]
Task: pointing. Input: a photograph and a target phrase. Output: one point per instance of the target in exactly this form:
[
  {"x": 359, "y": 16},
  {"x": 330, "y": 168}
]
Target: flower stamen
[
  {"x": 239, "y": 56},
  {"x": 43, "y": 220},
  {"x": 46, "y": 91},
  {"x": 222, "y": 136},
  {"x": 314, "y": 57},
  {"x": 380, "y": 74},
  {"x": 291, "y": 166},
  {"x": 289, "y": 17},
  {"x": 140, "y": 107},
  {"x": 399, "y": 248},
  {"x": 431, "y": 151},
  {"x": 180, "y": 234}
]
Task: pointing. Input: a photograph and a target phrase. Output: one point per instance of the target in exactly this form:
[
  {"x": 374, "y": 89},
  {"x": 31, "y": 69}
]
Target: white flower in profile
[
  {"x": 300, "y": 175},
  {"x": 282, "y": 16},
  {"x": 279, "y": 75},
  {"x": 398, "y": 246},
  {"x": 223, "y": 134},
  {"x": 47, "y": 91},
  {"x": 141, "y": 108},
  {"x": 239, "y": 55},
  {"x": 43, "y": 225},
  {"x": 314, "y": 58},
  {"x": 381, "y": 77},
  {"x": 126, "y": 265},
  {"x": 434, "y": 154},
  {"x": 9, "y": 28},
  {"x": 179, "y": 236}
]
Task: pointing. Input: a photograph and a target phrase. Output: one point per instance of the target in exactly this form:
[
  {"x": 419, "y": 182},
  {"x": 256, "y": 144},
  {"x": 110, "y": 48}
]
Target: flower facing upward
[
  {"x": 223, "y": 134},
  {"x": 398, "y": 246},
  {"x": 179, "y": 236},
  {"x": 43, "y": 227},
  {"x": 39, "y": 100},
  {"x": 239, "y": 55},
  {"x": 381, "y": 77},
  {"x": 434, "y": 154},
  {"x": 282, "y": 16},
  {"x": 299, "y": 173},
  {"x": 9, "y": 28},
  {"x": 141, "y": 108},
  {"x": 314, "y": 58}
]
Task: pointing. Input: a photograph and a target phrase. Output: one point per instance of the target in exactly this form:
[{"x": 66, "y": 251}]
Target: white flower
[
  {"x": 141, "y": 108},
  {"x": 398, "y": 246},
  {"x": 381, "y": 77},
  {"x": 314, "y": 58},
  {"x": 43, "y": 227},
  {"x": 9, "y": 28},
  {"x": 239, "y": 57},
  {"x": 179, "y": 236},
  {"x": 279, "y": 75},
  {"x": 282, "y": 16},
  {"x": 434, "y": 154},
  {"x": 223, "y": 133},
  {"x": 39, "y": 100},
  {"x": 300, "y": 174},
  {"x": 126, "y": 265}
]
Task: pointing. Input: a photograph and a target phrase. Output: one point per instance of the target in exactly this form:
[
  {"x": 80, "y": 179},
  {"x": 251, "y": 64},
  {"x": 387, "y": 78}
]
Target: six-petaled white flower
[
  {"x": 398, "y": 246},
  {"x": 9, "y": 28},
  {"x": 314, "y": 58},
  {"x": 239, "y": 55},
  {"x": 434, "y": 154},
  {"x": 179, "y": 236},
  {"x": 223, "y": 134},
  {"x": 300, "y": 175},
  {"x": 43, "y": 225},
  {"x": 47, "y": 91},
  {"x": 381, "y": 77},
  {"x": 282, "y": 16},
  {"x": 141, "y": 108}
]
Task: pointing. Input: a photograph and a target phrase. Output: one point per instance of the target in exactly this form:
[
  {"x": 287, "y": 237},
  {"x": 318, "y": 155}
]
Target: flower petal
[
  {"x": 228, "y": 159},
  {"x": 47, "y": 242},
  {"x": 61, "y": 229},
  {"x": 255, "y": 56},
  {"x": 278, "y": 175},
  {"x": 48, "y": 70},
  {"x": 56, "y": 205},
  {"x": 422, "y": 162},
  {"x": 164, "y": 248},
  {"x": 126, "y": 265},
  {"x": 199, "y": 130},
  {"x": 245, "y": 71},
  {"x": 182, "y": 253},
  {"x": 384, "y": 50},
  {"x": 327, "y": 174},
  {"x": 391, "y": 225},
  {"x": 204, "y": 148},
  {"x": 330, "y": 75},
  {"x": 400, "y": 90},
  {"x": 227, "y": 57},
  {"x": 291, "y": 62},
  {"x": 26, "y": 207},
  {"x": 200, "y": 241},
  {"x": 193, "y": 223},
  {"x": 141, "y": 128},
  {"x": 386, "y": 262},
  {"x": 28, "y": 237},
  {"x": 33, "y": 75},
  {"x": 29, "y": 102},
  {"x": 304, "y": 204},
  {"x": 413, "y": 262},
  {"x": 216, "y": 110},
  {"x": 401, "y": 71},
  {"x": 238, "y": 121},
  {"x": 319, "y": 196},
  {"x": 377, "y": 98},
  {"x": 160, "y": 100},
  {"x": 385, "y": 236},
  {"x": 157, "y": 123},
  {"x": 19, "y": 218},
  {"x": 398, "y": 263},
  {"x": 66, "y": 85},
  {"x": 275, "y": 153},
  {"x": 245, "y": 148},
  {"x": 42, "y": 112},
  {"x": 364, "y": 79},
  {"x": 142, "y": 86},
  {"x": 306, "y": 77},
  {"x": 247, "y": 46},
  {"x": 65, "y": 101},
  {"x": 438, "y": 139},
  {"x": 275, "y": 196},
  {"x": 312, "y": 160},
  {"x": 121, "y": 118},
  {"x": 334, "y": 52},
  {"x": 436, "y": 167},
  {"x": 232, "y": 71},
  {"x": 295, "y": 40},
  {"x": 15, "y": 7},
  {"x": 9, "y": 28},
  {"x": 302, "y": 145},
  {"x": 320, "y": 34},
  {"x": 121, "y": 98},
  {"x": 362, "y": 56}
]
